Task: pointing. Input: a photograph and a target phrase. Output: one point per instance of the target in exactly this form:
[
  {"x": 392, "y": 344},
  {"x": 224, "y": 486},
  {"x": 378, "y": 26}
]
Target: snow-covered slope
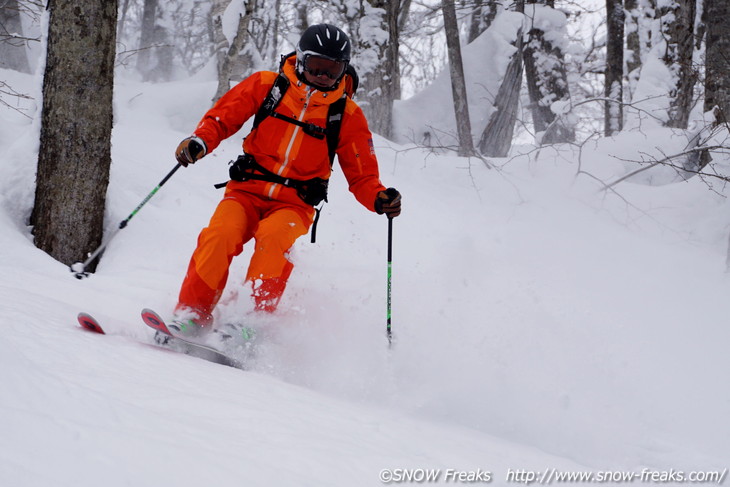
[{"x": 540, "y": 323}]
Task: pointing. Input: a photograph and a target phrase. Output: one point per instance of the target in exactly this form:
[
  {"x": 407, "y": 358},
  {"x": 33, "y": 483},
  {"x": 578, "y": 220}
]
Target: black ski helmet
[{"x": 323, "y": 40}]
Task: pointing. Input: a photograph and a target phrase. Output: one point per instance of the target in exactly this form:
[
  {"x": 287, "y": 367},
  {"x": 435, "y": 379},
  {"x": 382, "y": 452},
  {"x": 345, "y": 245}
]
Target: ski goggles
[{"x": 318, "y": 66}]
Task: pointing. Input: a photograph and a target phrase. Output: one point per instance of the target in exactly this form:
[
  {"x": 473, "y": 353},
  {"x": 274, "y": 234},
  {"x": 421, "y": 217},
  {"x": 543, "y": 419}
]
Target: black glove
[
  {"x": 388, "y": 202},
  {"x": 190, "y": 150}
]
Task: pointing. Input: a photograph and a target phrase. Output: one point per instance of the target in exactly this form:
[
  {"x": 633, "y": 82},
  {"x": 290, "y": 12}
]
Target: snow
[
  {"x": 541, "y": 322},
  {"x": 431, "y": 112}
]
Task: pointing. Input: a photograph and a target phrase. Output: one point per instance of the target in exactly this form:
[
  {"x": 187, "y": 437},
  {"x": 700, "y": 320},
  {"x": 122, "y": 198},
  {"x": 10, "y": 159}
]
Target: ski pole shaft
[
  {"x": 149, "y": 196},
  {"x": 390, "y": 276},
  {"x": 79, "y": 268}
]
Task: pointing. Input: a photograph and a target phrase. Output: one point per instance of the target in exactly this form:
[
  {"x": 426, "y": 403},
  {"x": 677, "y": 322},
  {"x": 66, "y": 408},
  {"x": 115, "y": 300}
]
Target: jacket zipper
[{"x": 289, "y": 147}]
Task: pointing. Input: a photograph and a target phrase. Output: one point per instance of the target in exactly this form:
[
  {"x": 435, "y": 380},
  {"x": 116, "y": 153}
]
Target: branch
[{"x": 665, "y": 162}]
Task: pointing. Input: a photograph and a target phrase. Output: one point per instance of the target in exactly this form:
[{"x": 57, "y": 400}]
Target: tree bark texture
[
  {"x": 547, "y": 83},
  {"x": 613, "y": 110},
  {"x": 458, "y": 82},
  {"x": 679, "y": 32},
  {"x": 76, "y": 125},
  {"x": 496, "y": 139},
  {"x": 227, "y": 54},
  {"x": 146, "y": 40},
  {"x": 717, "y": 59},
  {"x": 381, "y": 85},
  {"x": 12, "y": 47}
]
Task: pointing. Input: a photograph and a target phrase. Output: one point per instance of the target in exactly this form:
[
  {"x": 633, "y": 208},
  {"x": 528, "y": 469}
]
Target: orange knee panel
[
  {"x": 231, "y": 225},
  {"x": 270, "y": 266},
  {"x": 274, "y": 237}
]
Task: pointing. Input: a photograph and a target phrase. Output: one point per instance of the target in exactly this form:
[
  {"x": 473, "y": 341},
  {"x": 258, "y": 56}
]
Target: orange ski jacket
[{"x": 283, "y": 148}]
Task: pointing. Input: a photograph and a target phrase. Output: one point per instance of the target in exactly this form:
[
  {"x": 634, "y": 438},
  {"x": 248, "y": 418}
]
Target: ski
[
  {"x": 169, "y": 341},
  {"x": 166, "y": 337},
  {"x": 90, "y": 323}
]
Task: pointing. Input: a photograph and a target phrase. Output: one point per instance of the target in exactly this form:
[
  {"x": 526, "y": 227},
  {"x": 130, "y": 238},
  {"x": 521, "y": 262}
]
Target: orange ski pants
[{"x": 239, "y": 217}]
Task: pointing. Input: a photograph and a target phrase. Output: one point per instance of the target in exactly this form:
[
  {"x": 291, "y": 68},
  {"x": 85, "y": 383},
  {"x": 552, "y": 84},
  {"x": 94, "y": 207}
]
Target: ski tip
[
  {"x": 154, "y": 321},
  {"x": 88, "y": 322}
]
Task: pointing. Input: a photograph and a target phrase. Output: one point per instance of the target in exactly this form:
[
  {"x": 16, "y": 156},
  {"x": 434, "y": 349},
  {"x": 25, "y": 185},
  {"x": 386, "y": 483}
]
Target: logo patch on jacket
[{"x": 372, "y": 146}]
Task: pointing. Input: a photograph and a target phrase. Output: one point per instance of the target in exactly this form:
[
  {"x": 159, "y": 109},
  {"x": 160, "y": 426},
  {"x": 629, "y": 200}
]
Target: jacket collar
[{"x": 288, "y": 68}]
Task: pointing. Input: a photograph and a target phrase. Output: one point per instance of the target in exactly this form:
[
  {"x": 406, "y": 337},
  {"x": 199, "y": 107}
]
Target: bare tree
[
  {"x": 547, "y": 80},
  {"x": 146, "y": 39},
  {"x": 633, "y": 44},
  {"x": 12, "y": 41},
  {"x": 496, "y": 139},
  {"x": 482, "y": 15},
  {"x": 678, "y": 21},
  {"x": 613, "y": 119},
  {"x": 393, "y": 12},
  {"x": 458, "y": 82},
  {"x": 76, "y": 125},
  {"x": 124, "y": 8},
  {"x": 301, "y": 16},
  {"x": 717, "y": 59},
  {"x": 377, "y": 41},
  {"x": 228, "y": 54}
]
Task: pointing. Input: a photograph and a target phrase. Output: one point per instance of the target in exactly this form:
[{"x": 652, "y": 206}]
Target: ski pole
[
  {"x": 79, "y": 268},
  {"x": 390, "y": 276}
]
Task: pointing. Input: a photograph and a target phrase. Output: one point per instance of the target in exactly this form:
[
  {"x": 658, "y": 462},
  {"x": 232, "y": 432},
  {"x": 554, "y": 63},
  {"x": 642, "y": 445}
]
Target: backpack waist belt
[{"x": 312, "y": 191}]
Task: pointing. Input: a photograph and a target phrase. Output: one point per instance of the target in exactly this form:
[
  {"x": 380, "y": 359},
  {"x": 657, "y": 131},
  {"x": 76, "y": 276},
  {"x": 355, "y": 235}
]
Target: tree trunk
[
  {"x": 301, "y": 22},
  {"x": 476, "y": 20},
  {"x": 633, "y": 45},
  {"x": 227, "y": 55},
  {"x": 546, "y": 83},
  {"x": 496, "y": 139},
  {"x": 613, "y": 110},
  {"x": 680, "y": 47},
  {"x": 717, "y": 59},
  {"x": 146, "y": 40},
  {"x": 276, "y": 28},
  {"x": 12, "y": 44},
  {"x": 76, "y": 125},
  {"x": 393, "y": 56},
  {"x": 381, "y": 84},
  {"x": 123, "y": 20},
  {"x": 482, "y": 16},
  {"x": 404, "y": 10},
  {"x": 458, "y": 82}
]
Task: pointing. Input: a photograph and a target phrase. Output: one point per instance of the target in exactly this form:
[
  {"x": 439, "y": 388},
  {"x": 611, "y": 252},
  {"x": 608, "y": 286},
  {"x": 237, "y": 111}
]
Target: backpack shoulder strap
[
  {"x": 334, "y": 122},
  {"x": 334, "y": 114},
  {"x": 337, "y": 110},
  {"x": 275, "y": 94},
  {"x": 273, "y": 97}
]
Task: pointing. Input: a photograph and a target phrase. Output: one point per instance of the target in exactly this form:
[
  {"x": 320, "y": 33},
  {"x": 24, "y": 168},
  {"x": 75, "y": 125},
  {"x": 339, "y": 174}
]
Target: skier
[{"x": 283, "y": 173}]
